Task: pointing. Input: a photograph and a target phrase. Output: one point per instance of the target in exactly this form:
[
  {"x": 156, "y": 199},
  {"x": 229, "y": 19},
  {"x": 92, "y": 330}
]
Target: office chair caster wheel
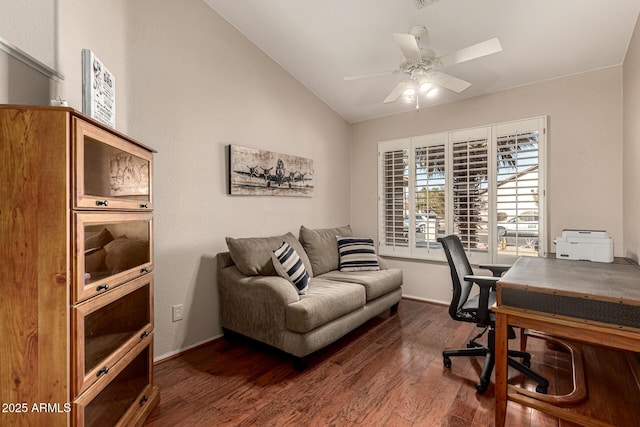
[
  {"x": 447, "y": 362},
  {"x": 482, "y": 387},
  {"x": 541, "y": 389}
]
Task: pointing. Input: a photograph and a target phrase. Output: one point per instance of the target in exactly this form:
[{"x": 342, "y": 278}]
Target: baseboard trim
[
  {"x": 430, "y": 301},
  {"x": 177, "y": 353}
]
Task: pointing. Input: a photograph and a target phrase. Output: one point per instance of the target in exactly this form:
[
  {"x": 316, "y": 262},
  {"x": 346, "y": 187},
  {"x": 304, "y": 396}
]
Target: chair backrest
[{"x": 460, "y": 267}]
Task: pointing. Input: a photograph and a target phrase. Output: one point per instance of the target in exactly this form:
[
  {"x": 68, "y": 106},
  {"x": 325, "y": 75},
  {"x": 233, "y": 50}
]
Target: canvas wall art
[{"x": 265, "y": 173}]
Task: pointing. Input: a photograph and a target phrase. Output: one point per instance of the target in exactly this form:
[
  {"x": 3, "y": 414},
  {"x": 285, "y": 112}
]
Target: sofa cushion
[
  {"x": 322, "y": 247},
  {"x": 288, "y": 265},
  {"x": 325, "y": 301},
  {"x": 357, "y": 254},
  {"x": 376, "y": 283},
  {"x": 252, "y": 255}
]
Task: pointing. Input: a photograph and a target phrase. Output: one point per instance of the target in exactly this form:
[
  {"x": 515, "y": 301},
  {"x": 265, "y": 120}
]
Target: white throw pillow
[{"x": 288, "y": 265}]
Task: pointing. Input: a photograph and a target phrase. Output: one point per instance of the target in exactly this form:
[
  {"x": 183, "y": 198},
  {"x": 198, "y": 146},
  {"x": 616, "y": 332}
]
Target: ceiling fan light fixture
[
  {"x": 425, "y": 87},
  {"x": 409, "y": 92},
  {"x": 420, "y": 64},
  {"x": 410, "y": 88},
  {"x": 432, "y": 92}
]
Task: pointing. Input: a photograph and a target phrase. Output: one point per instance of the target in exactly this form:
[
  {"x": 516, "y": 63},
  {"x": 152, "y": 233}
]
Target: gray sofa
[{"x": 257, "y": 303}]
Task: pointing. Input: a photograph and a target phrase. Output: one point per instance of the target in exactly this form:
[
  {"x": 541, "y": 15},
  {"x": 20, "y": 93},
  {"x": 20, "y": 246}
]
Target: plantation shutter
[
  {"x": 484, "y": 184},
  {"x": 393, "y": 197},
  {"x": 429, "y": 199},
  {"x": 469, "y": 183},
  {"x": 518, "y": 184}
]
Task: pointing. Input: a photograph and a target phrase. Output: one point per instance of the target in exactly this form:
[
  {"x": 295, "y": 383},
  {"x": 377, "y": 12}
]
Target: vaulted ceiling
[{"x": 321, "y": 42}]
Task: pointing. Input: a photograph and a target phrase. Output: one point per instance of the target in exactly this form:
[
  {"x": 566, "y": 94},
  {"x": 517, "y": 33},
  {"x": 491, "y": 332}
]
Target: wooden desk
[{"x": 584, "y": 301}]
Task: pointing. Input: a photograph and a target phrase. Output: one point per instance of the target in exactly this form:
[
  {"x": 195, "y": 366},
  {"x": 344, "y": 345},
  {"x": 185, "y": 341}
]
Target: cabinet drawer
[
  {"x": 109, "y": 172},
  {"x": 110, "y": 249},
  {"x": 105, "y": 328},
  {"x": 105, "y": 404}
]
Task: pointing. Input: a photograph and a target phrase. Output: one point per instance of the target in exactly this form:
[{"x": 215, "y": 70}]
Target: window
[{"x": 484, "y": 184}]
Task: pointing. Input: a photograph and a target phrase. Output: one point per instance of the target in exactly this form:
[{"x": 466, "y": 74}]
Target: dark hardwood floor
[{"x": 389, "y": 372}]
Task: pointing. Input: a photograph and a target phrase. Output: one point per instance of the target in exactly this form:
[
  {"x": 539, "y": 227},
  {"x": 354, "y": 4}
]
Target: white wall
[
  {"x": 631, "y": 169},
  {"x": 20, "y": 84},
  {"x": 30, "y": 25},
  {"x": 91, "y": 24},
  {"x": 197, "y": 85},
  {"x": 99, "y": 26},
  {"x": 584, "y": 158},
  {"x": 188, "y": 84}
]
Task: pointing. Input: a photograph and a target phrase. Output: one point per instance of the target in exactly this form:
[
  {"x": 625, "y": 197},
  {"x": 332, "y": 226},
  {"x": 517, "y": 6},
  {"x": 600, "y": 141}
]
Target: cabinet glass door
[
  {"x": 109, "y": 326},
  {"x": 110, "y": 172},
  {"x": 110, "y": 249},
  {"x": 107, "y": 406}
]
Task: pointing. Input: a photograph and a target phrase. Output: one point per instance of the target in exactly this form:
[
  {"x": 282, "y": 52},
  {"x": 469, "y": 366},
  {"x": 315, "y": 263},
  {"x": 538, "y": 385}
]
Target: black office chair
[{"x": 477, "y": 310}]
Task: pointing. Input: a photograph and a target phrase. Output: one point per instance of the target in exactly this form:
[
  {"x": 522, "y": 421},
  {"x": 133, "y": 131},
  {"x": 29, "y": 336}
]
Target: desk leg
[{"x": 501, "y": 372}]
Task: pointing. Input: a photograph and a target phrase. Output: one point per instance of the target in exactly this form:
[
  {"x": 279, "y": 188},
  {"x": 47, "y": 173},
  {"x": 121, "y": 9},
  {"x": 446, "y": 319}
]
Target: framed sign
[{"x": 98, "y": 90}]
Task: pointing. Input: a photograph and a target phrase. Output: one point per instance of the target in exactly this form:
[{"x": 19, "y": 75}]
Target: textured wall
[
  {"x": 198, "y": 85},
  {"x": 30, "y": 25}
]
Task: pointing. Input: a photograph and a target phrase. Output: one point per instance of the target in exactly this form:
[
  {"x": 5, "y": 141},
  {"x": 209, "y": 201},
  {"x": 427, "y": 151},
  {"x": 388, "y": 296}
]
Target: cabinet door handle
[
  {"x": 102, "y": 371},
  {"x": 102, "y": 203},
  {"x": 144, "y": 270},
  {"x": 144, "y": 335},
  {"x": 144, "y": 206},
  {"x": 143, "y": 400},
  {"x": 104, "y": 287}
]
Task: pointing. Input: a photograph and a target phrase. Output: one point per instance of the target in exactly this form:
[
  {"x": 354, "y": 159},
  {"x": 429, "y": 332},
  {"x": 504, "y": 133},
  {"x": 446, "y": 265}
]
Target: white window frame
[{"x": 491, "y": 132}]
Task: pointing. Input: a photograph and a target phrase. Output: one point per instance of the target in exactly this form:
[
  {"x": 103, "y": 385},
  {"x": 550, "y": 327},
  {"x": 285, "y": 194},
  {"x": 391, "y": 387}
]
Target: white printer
[{"x": 587, "y": 245}]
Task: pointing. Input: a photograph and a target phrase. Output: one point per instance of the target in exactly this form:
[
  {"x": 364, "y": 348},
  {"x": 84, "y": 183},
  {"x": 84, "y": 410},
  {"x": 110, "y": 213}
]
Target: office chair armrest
[
  {"x": 486, "y": 284},
  {"x": 496, "y": 269},
  {"x": 483, "y": 281}
]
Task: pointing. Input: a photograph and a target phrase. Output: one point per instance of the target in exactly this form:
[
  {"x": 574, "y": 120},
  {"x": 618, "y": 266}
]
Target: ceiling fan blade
[
  {"x": 371, "y": 75},
  {"x": 449, "y": 82},
  {"x": 395, "y": 93},
  {"x": 484, "y": 48},
  {"x": 409, "y": 46}
]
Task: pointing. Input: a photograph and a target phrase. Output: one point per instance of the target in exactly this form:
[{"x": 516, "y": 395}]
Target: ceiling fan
[{"x": 420, "y": 63}]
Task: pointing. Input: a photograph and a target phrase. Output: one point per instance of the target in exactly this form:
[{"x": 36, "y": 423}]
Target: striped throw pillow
[
  {"x": 288, "y": 264},
  {"x": 357, "y": 254}
]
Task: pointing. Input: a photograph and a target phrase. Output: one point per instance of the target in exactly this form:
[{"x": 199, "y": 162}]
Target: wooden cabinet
[{"x": 76, "y": 270}]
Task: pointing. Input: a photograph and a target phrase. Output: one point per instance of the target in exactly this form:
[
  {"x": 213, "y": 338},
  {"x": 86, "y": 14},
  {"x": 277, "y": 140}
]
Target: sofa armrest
[
  {"x": 224, "y": 260},
  {"x": 383, "y": 264},
  {"x": 255, "y": 306}
]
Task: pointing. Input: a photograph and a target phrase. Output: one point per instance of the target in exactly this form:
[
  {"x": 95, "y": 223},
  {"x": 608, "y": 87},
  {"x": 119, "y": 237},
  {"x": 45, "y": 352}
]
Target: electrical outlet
[{"x": 177, "y": 312}]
